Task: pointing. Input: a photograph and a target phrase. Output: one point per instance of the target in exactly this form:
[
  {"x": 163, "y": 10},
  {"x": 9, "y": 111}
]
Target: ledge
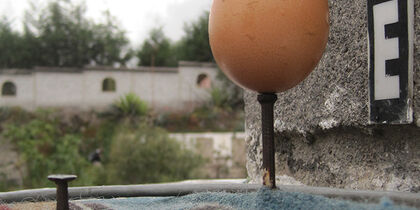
[{"x": 180, "y": 189}]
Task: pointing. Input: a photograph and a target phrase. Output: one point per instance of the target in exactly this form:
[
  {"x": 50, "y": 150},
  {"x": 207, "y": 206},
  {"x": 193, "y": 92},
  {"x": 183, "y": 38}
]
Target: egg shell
[{"x": 268, "y": 45}]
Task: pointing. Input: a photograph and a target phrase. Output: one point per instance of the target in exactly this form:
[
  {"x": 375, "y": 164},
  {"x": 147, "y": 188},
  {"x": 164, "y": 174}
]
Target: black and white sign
[{"x": 390, "y": 60}]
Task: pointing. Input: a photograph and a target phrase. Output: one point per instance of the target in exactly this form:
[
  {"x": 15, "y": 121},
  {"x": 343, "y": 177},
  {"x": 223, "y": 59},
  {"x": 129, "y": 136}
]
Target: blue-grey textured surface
[{"x": 263, "y": 199}]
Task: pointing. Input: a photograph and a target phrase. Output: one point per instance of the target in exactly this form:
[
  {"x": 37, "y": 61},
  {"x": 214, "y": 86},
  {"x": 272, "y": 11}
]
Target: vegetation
[
  {"x": 231, "y": 93},
  {"x": 220, "y": 113},
  {"x": 62, "y": 35},
  {"x": 195, "y": 46},
  {"x": 133, "y": 153},
  {"x": 146, "y": 154},
  {"x": 157, "y": 50},
  {"x": 224, "y": 110},
  {"x": 134, "y": 143},
  {"x": 45, "y": 149},
  {"x": 14, "y": 47},
  {"x": 129, "y": 107}
]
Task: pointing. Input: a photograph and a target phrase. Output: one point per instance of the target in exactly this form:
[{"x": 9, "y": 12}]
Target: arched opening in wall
[
  {"x": 8, "y": 89},
  {"x": 204, "y": 81},
  {"x": 109, "y": 85}
]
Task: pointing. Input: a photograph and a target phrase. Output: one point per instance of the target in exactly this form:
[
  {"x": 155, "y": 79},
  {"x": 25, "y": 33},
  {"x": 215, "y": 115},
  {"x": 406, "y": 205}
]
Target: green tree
[
  {"x": 61, "y": 32},
  {"x": 110, "y": 45},
  {"x": 12, "y": 46},
  {"x": 65, "y": 37},
  {"x": 7, "y": 43},
  {"x": 156, "y": 50},
  {"x": 195, "y": 46}
]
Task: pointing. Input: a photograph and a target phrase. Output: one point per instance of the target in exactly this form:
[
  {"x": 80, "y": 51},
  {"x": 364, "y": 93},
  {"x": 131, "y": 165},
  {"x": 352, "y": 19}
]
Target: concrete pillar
[{"x": 326, "y": 131}]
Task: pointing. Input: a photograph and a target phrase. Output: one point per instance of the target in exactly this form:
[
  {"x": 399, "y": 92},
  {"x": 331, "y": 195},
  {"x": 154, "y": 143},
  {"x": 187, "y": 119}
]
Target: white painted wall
[
  {"x": 58, "y": 89},
  {"x": 25, "y": 91},
  {"x": 190, "y": 93},
  {"x": 93, "y": 96},
  {"x": 222, "y": 142},
  {"x": 162, "y": 89}
]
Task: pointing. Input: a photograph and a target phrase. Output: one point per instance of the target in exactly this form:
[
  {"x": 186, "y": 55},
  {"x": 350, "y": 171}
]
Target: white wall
[
  {"x": 222, "y": 142},
  {"x": 92, "y": 92},
  {"x": 168, "y": 89},
  {"x": 25, "y": 91},
  {"x": 58, "y": 89},
  {"x": 190, "y": 93}
]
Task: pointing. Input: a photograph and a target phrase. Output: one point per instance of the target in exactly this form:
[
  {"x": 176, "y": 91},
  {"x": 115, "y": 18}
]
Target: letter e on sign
[{"x": 390, "y": 26}]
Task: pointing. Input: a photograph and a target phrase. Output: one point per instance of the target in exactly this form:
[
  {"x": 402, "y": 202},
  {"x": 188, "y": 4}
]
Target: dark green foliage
[
  {"x": 147, "y": 155},
  {"x": 195, "y": 46},
  {"x": 68, "y": 38},
  {"x": 129, "y": 108},
  {"x": 62, "y": 35},
  {"x": 219, "y": 99},
  {"x": 14, "y": 47},
  {"x": 46, "y": 148},
  {"x": 203, "y": 119},
  {"x": 156, "y": 50},
  {"x": 49, "y": 142},
  {"x": 110, "y": 45},
  {"x": 232, "y": 94}
]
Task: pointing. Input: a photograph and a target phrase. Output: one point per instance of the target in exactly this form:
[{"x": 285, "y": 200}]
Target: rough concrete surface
[{"x": 324, "y": 137}]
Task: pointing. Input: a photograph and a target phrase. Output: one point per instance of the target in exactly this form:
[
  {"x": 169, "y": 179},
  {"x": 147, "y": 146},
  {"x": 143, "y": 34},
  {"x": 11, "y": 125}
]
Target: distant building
[{"x": 162, "y": 88}]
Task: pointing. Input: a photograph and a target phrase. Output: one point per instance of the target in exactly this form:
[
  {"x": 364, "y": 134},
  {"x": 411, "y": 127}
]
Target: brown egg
[{"x": 268, "y": 45}]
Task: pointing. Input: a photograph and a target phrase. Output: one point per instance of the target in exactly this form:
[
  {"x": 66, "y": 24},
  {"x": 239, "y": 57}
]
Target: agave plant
[{"x": 129, "y": 107}]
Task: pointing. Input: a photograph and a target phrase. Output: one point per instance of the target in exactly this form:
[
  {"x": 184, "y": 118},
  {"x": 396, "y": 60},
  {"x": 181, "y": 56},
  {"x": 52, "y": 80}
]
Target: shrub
[
  {"x": 45, "y": 148},
  {"x": 13, "y": 114},
  {"x": 219, "y": 99},
  {"x": 147, "y": 155},
  {"x": 129, "y": 107}
]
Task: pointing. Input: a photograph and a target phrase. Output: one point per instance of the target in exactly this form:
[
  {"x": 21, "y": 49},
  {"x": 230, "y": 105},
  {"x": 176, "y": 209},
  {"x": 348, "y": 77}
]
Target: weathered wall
[
  {"x": 188, "y": 90},
  {"x": 322, "y": 125},
  {"x": 26, "y": 92},
  {"x": 162, "y": 88},
  {"x": 225, "y": 152},
  {"x": 11, "y": 168}
]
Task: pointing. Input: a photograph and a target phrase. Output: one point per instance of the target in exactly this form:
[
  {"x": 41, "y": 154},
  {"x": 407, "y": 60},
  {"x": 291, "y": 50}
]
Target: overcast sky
[{"x": 137, "y": 17}]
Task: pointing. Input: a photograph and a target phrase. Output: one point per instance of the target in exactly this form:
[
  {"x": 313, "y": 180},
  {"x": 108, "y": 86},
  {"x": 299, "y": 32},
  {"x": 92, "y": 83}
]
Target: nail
[
  {"x": 267, "y": 101},
  {"x": 62, "y": 195}
]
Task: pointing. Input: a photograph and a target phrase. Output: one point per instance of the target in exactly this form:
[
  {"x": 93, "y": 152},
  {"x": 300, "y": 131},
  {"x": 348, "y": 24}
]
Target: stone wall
[
  {"x": 225, "y": 153},
  {"x": 323, "y": 133},
  {"x": 11, "y": 168}
]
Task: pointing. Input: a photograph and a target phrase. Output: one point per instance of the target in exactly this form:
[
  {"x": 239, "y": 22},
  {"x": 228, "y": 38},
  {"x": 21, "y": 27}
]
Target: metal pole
[{"x": 267, "y": 101}]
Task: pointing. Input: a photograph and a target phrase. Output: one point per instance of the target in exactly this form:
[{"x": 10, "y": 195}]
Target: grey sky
[{"x": 136, "y": 16}]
